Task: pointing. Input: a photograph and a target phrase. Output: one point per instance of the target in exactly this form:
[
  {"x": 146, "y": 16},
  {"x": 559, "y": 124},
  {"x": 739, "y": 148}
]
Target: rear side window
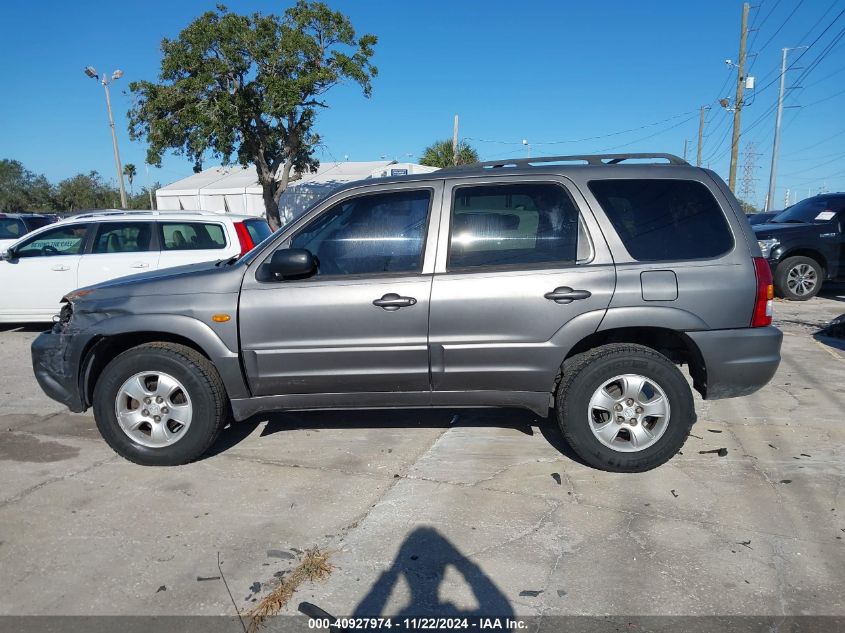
[
  {"x": 191, "y": 236},
  {"x": 521, "y": 224},
  {"x": 258, "y": 230},
  {"x": 11, "y": 228},
  {"x": 663, "y": 220},
  {"x": 37, "y": 222},
  {"x": 123, "y": 237}
]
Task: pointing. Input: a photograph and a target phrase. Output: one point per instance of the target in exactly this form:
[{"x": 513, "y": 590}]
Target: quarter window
[
  {"x": 123, "y": 237},
  {"x": 371, "y": 234},
  {"x": 191, "y": 236},
  {"x": 513, "y": 225},
  {"x": 62, "y": 240},
  {"x": 664, "y": 220}
]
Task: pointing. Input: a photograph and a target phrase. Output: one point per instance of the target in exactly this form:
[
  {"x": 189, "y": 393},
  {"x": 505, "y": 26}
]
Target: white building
[{"x": 235, "y": 189}]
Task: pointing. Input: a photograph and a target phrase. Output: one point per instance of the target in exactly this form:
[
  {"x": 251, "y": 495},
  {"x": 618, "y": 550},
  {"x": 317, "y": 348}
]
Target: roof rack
[
  {"x": 589, "y": 159},
  {"x": 115, "y": 212}
]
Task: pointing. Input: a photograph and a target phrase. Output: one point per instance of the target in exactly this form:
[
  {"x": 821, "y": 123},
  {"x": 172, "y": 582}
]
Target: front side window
[
  {"x": 123, "y": 237},
  {"x": 62, "y": 240},
  {"x": 513, "y": 225},
  {"x": 664, "y": 220},
  {"x": 371, "y": 234},
  {"x": 11, "y": 228},
  {"x": 191, "y": 236}
]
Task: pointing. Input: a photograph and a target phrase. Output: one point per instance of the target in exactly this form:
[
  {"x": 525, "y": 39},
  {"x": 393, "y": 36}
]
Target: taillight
[
  {"x": 245, "y": 239},
  {"x": 765, "y": 294}
]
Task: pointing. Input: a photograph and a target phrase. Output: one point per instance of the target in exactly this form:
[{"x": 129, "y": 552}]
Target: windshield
[{"x": 811, "y": 210}]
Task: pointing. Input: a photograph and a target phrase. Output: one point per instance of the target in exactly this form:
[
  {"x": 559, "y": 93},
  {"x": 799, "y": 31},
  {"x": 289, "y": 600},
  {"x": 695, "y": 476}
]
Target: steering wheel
[{"x": 48, "y": 249}]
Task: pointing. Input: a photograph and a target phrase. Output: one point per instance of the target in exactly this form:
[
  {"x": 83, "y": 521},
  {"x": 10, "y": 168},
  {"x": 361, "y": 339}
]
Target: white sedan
[{"x": 39, "y": 269}]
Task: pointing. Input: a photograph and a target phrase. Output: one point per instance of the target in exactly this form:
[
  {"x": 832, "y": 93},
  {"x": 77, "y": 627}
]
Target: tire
[
  {"x": 793, "y": 275},
  {"x": 197, "y": 412},
  {"x": 626, "y": 446}
]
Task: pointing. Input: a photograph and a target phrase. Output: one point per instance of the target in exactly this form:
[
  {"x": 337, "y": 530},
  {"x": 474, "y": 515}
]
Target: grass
[{"x": 313, "y": 566}]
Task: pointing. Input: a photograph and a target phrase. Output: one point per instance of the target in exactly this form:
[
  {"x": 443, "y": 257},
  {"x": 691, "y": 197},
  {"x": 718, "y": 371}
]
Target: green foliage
[
  {"x": 22, "y": 190},
  {"x": 130, "y": 172},
  {"x": 439, "y": 154},
  {"x": 747, "y": 207},
  {"x": 247, "y": 88}
]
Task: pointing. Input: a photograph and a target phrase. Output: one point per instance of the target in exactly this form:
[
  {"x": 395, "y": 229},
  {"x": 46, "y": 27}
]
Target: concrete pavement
[{"x": 436, "y": 512}]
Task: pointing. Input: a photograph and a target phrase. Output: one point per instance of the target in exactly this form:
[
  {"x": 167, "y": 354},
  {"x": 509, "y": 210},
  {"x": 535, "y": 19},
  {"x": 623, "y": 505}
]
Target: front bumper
[
  {"x": 738, "y": 362},
  {"x": 56, "y": 369}
]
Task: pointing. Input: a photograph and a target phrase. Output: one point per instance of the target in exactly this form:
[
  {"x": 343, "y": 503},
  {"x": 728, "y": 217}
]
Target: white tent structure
[{"x": 236, "y": 190}]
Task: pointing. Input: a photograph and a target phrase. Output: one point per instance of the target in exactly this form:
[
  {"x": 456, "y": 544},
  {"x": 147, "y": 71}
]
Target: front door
[
  {"x": 119, "y": 249},
  {"x": 361, "y": 323},
  {"x": 43, "y": 270},
  {"x": 515, "y": 266}
]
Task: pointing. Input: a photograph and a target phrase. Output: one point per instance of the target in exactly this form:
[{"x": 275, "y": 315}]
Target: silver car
[{"x": 572, "y": 285}]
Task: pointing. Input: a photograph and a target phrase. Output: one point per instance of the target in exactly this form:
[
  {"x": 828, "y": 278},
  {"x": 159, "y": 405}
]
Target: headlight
[{"x": 767, "y": 246}]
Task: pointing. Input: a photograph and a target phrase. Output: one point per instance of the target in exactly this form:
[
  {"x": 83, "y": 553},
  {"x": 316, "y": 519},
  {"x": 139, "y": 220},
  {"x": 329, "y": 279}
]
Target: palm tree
[
  {"x": 439, "y": 154},
  {"x": 129, "y": 171}
]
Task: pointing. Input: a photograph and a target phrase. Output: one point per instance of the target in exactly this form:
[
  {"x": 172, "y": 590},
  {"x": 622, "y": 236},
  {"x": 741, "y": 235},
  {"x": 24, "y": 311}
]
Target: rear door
[
  {"x": 360, "y": 324},
  {"x": 119, "y": 249},
  {"x": 515, "y": 265},
  {"x": 193, "y": 241},
  {"x": 44, "y": 269}
]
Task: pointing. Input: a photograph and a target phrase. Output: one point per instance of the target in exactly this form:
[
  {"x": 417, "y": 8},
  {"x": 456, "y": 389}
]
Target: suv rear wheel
[
  {"x": 798, "y": 278},
  {"x": 160, "y": 404},
  {"x": 624, "y": 407}
]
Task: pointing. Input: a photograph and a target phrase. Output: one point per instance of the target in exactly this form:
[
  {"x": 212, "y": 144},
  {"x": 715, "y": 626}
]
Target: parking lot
[{"x": 436, "y": 512}]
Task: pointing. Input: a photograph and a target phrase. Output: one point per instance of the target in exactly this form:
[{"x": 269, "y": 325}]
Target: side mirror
[
  {"x": 292, "y": 263},
  {"x": 7, "y": 255}
]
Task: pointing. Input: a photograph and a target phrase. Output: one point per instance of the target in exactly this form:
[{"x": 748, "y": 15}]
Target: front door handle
[
  {"x": 140, "y": 265},
  {"x": 392, "y": 301},
  {"x": 565, "y": 294},
  {"x": 61, "y": 267}
]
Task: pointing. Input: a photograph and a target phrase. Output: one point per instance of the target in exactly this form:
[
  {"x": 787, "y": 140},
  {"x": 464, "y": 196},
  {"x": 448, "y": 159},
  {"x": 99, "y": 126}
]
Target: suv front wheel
[
  {"x": 160, "y": 404},
  {"x": 624, "y": 407}
]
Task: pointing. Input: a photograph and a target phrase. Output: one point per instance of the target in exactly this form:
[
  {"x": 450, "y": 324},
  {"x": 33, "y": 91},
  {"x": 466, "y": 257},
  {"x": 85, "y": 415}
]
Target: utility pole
[
  {"x": 686, "y": 142},
  {"x": 700, "y": 135},
  {"x": 117, "y": 74},
  {"x": 773, "y": 175},
  {"x": 740, "y": 85},
  {"x": 455, "y": 142}
]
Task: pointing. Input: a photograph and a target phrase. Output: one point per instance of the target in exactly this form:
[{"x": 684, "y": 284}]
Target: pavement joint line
[
  {"x": 25, "y": 493},
  {"x": 54, "y": 436},
  {"x": 280, "y": 464}
]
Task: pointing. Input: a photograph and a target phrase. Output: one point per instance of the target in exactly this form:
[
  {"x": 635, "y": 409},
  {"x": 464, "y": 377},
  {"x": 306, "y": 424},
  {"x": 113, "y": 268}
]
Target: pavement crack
[{"x": 28, "y": 491}]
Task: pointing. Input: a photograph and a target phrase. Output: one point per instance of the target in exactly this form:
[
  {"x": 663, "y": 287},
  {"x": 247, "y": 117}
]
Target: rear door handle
[
  {"x": 565, "y": 294},
  {"x": 392, "y": 301},
  {"x": 61, "y": 267},
  {"x": 140, "y": 265}
]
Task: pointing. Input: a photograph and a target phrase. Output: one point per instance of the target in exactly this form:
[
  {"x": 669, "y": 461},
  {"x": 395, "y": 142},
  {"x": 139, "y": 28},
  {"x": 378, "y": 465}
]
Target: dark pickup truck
[{"x": 805, "y": 245}]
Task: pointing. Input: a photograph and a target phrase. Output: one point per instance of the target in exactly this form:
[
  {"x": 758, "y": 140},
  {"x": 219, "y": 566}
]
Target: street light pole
[{"x": 105, "y": 81}]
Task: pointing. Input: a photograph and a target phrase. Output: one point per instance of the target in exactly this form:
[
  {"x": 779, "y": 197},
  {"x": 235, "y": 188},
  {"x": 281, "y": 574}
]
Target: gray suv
[{"x": 577, "y": 284}]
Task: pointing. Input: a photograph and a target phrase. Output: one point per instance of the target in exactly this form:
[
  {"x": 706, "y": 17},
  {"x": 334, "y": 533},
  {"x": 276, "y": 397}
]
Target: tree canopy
[
  {"x": 248, "y": 88},
  {"x": 439, "y": 154},
  {"x": 22, "y": 190}
]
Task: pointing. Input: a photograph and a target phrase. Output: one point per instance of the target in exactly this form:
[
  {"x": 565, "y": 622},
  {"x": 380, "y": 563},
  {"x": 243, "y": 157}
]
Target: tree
[
  {"x": 130, "y": 172},
  {"x": 250, "y": 87},
  {"x": 439, "y": 154},
  {"x": 86, "y": 191},
  {"x": 22, "y": 190}
]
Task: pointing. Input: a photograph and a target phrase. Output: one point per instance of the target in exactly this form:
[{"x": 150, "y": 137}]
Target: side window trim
[
  {"x": 448, "y": 214},
  {"x": 425, "y": 242}
]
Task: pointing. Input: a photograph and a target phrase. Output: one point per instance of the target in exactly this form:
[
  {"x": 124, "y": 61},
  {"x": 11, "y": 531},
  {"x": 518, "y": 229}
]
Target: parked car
[
  {"x": 805, "y": 245},
  {"x": 13, "y": 226},
  {"x": 85, "y": 249},
  {"x": 762, "y": 217},
  {"x": 527, "y": 283}
]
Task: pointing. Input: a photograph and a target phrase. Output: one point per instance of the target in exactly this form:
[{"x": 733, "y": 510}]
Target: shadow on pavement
[
  {"x": 833, "y": 334},
  {"x": 423, "y": 559},
  {"x": 833, "y": 290},
  {"x": 517, "y": 419},
  {"x": 25, "y": 327}
]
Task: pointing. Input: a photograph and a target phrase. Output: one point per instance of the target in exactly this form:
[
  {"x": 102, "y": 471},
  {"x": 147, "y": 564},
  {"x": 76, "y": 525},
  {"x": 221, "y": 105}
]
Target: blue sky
[{"x": 566, "y": 76}]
